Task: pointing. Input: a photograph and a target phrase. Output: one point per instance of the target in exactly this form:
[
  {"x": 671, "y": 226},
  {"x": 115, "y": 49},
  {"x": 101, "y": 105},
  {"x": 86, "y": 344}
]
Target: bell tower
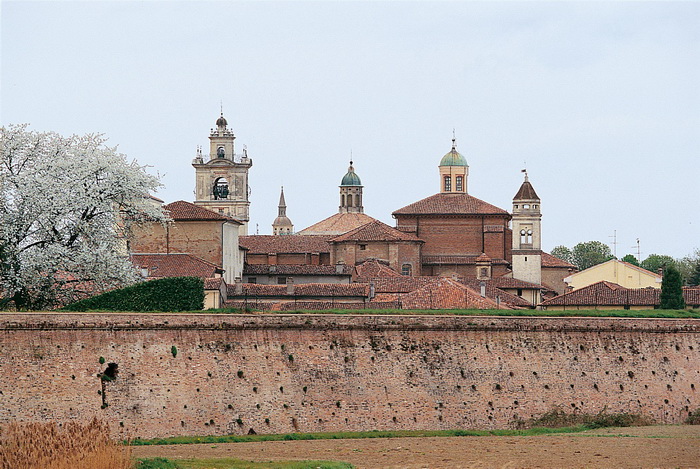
[
  {"x": 351, "y": 192},
  {"x": 453, "y": 171},
  {"x": 222, "y": 176},
  {"x": 527, "y": 234}
]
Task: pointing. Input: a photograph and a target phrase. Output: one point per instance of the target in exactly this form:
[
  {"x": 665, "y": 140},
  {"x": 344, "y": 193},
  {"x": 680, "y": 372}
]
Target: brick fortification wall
[{"x": 280, "y": 373}]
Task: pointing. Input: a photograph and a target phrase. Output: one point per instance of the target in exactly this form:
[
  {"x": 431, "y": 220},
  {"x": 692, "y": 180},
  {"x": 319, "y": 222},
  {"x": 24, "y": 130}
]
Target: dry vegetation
[{"x": 70, "y": 446}]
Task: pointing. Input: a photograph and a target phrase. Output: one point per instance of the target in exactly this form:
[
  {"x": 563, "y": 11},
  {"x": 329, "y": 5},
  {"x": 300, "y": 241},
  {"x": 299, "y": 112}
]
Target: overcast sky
[{"x": 599, "y": 100}]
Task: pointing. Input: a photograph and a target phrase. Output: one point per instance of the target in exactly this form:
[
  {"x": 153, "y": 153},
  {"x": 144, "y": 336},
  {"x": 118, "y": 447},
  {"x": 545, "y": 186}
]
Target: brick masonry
[{"x": 285, "y": 373}]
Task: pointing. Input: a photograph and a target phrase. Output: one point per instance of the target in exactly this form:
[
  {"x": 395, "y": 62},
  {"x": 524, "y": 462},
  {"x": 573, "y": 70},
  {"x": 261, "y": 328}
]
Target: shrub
[
  {"x": 173, "y": 350},
  {"x": 166, "y": 294},
  {"x": 693, "y": 417}
]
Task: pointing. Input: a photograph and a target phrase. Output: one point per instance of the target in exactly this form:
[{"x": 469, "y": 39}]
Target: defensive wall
[{"x": 219, "y": 374}]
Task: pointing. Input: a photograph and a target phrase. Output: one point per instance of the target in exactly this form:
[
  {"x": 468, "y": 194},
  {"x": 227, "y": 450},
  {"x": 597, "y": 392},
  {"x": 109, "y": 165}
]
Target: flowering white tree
[{"x": 67, "y": 205}]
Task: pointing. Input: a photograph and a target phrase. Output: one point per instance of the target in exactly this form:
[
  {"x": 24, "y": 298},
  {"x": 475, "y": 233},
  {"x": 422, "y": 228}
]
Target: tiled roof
[
  {"x": 445, "y": 293},
  {"x": 375, "y": 231},
  {"x": 493, "y": 292},
  {"x": 213, "y": 283},
  {"x": 303, "y": 289},
  {"x": 372, "y": 268},
  {"x": 451, "y": 204},
  {"x": 457, "y": 260},
  {"x": 692, "y": 296},
  {"x": 549, "y": 260},
  {"x": 186, "y": 211},
  {"x": 288, "y": 244},
  {"x": 400, "y": 284},
  {"x": 526, "y": 192},
  {"x": 296, "y": 269},
  {"x": 505, "y": 282},
  {"x": 338, "y": 224},
  {"x": 606, "y": 294},
  {"x": 174, "y": 265}
]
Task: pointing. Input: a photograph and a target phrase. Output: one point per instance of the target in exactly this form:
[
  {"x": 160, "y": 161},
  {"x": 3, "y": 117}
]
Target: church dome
[
  {"x": 351, "y": 178},
  {"x": 221, "y": 121},
  {"x": 282, "y": 221},
  {"x": 453, "y": 157}
]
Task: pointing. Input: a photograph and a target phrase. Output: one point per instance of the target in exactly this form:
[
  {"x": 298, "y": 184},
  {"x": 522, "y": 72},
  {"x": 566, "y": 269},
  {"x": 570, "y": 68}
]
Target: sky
[{"x": 600, "y": 101}]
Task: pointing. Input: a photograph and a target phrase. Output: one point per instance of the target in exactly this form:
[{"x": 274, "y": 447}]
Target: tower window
[
  {"x": 526, "y": 206},
  {"x": 220, "y": 152},
  {"x": 220, "y": 190},
  {"x": 526, "y": 236},
  {"x": 459, "y": 184},
  {"x": 448, "y": 184}
]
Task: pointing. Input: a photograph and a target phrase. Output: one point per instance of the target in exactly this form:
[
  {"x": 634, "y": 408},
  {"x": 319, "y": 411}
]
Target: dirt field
[{"x": 652, "y": 447}]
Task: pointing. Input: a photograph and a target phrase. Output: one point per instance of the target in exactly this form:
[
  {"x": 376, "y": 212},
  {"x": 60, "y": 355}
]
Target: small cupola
[
  {"x": 453, "y": 171},
  {"x": 351, "y": 192}
]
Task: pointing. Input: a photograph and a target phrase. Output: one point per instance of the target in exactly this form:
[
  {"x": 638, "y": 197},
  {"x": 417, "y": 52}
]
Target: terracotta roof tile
[
  {"x": 606, "y": 294},
  {"x": 338, "y": 224},
  {"x": 549, "y": 260},
  {"x": 445, "y": 293},
  {"x": 451, "y": 204},
  {"x": 296, "y": 269},
  {"x": 400, "y": 284},
  {"x": 372, "y": 268},
  {"x": 457, "y": 260},
  {"x": 375, "y": 231},
  {"x": 175, "y": 265},
  {"x": 692, "y": 296},
  {"x": 493, "y": 292},
  {"x": 186, "y": 211},
  {"x": 213, "y": 283},
  {"x": 289, "y": 244},
  {"x": 526, "y": 192},
  {"x": 336, "y": 290}
]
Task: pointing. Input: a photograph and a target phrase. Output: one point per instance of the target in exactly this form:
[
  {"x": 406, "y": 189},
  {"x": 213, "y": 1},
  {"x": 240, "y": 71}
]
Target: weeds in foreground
[
  {"x": 557, "y": 418},
  {"x": 70, "y": 446},
  {"x": 693, "y": 417}
]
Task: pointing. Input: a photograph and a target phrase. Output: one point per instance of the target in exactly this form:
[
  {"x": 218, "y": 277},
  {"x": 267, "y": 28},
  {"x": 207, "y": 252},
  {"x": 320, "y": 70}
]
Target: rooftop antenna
[
  {"x": 614, "y": 243},
  {"x": 351, "y": 157},
  {"x": 639, "y": 251},
  {"x": 222, "y": 106}
]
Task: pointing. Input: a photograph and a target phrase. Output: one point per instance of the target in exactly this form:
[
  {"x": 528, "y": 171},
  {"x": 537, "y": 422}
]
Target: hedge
[{"x": 166, "y": 294}]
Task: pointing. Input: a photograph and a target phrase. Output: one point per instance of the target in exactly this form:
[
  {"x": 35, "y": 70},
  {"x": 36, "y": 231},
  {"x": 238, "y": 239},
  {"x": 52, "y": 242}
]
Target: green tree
[
  {"x": 563, "y": 253},
  {"x": 671, "y": 290},
  {"x": 590, "y": 253},
  {"x": 694, "y": 277},
  {"x": 630, "y": 259},
  {"x": 657, "y": 261}
]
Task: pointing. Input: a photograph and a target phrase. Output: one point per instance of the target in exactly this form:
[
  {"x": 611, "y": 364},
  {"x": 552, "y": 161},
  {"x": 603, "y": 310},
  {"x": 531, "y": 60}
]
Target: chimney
[
  {"x": 371, "y": 290},
  {"x": 290, "y": 285},
  {"x": 237, "y": 286},
  {"x": 483, "y": 289}
]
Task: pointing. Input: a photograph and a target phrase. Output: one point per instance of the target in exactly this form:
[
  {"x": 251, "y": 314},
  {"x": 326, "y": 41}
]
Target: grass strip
[
  {"x": 232, "y": 463},
  {"x": 650, "y": 313},
  {"x": 185, "y": 440}
]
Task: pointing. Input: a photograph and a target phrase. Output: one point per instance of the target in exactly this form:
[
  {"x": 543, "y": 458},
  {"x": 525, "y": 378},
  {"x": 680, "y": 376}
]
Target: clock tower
[{"x": 222, "y": 176}]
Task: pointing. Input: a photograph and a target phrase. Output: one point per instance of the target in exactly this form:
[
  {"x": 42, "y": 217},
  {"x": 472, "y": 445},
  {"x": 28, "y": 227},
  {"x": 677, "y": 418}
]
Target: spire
[
  {"x": 526, "y": 191},
  {"x": 282, "y": 225},
  {"x": 282, "y": 205}
]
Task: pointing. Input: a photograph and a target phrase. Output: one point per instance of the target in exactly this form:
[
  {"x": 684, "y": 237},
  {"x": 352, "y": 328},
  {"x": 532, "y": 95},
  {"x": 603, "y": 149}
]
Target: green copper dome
[
  {"x": 350, "y": 178},
  {"x": 453, "y": 158}
]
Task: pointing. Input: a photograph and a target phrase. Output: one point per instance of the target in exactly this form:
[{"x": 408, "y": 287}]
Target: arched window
[
  {"x": 406, "y": 269},
  {"x": 220, "y": 152},
  {"x": 526, "y": 236},
  {"x": 342, "y": 200},
  {"x": 459, "y": 184},
  {"x": 220, "y": 190},
  {"x": 448, "y": 184}
]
